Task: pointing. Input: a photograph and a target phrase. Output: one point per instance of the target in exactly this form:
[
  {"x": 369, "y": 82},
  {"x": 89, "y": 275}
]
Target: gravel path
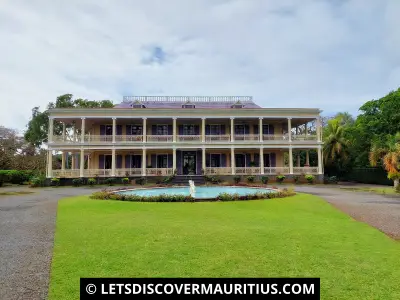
[
  {"x": 380, "y": 211},
  {"x": 27, "y": 224}
]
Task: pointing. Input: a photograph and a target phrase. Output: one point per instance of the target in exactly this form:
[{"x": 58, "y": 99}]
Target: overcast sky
[{"x": 333, "y": 55}]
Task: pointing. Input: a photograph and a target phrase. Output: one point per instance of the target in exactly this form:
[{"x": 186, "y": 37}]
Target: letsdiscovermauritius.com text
[{"x": 205, "y": 289}]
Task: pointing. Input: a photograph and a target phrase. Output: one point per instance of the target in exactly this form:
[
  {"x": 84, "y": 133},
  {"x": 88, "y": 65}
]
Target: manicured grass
[
  {"x": 300, "y": 236},
  {"x": 379, "y": 190}
]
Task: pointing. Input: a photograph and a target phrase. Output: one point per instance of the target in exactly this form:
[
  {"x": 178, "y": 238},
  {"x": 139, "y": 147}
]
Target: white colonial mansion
[{"x": 163, "y": 135}]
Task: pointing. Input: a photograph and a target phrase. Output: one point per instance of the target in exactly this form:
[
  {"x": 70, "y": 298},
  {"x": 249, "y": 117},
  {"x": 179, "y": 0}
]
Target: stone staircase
[{"x": 184, "y": 180}]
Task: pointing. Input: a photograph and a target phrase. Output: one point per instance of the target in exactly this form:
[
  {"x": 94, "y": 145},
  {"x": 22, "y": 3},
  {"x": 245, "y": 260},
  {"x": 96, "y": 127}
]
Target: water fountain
[{"x": 192, "y": 188}]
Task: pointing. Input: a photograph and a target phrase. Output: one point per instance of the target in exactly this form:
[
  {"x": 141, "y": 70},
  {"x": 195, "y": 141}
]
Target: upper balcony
[{"x": 184, "y": 130}]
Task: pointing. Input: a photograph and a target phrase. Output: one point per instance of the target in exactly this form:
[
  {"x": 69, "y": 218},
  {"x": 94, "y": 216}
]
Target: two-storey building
[{"x": 160, "y": 135}]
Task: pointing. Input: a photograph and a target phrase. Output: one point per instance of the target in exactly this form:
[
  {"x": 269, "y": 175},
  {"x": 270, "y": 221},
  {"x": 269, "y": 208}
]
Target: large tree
[{"x": 37, "y": 128}]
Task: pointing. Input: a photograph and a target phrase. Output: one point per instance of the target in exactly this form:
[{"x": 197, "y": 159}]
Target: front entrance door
[
  {"x": 188, "y": 163},
  {"x": 107, "y": 161}
]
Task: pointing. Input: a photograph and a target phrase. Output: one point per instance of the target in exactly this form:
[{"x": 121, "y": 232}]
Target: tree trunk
[{"x": 396, "y": 182}]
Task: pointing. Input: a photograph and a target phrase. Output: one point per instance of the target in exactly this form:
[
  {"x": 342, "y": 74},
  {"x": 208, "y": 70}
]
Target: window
[
  {"x": 267, "y": 160},
  {"x": 138, "y": 106},
  {"x": 162, "y": 130},
  {"x": 188, "y": 129},
  {"x": 135, "y": 130},
  {"x": 215, "y": 160},
  {"x": 109, "y": 130},
  {"x": 107, "y": 161},
  {"x": 240, "y": 160},
  {"x": 237, "y": 106},
  {"x": 136, "y": 161},
  {"x": 188, "y": 106},
  {"x": 162, "y": 160},
  {"x": 265, "y": 129},
  {"x": 215, "y": 129},
  {"x": 239, "y": 129}
]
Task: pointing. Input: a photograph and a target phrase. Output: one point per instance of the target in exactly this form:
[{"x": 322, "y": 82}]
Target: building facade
[{"x": 165, "y": 135}]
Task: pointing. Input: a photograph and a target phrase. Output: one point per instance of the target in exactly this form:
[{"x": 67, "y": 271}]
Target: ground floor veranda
[{"x": 165, "y": 162}]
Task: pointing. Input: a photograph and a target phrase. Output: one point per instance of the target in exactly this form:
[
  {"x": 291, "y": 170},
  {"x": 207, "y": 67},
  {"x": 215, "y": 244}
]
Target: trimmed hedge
[
  {"x": 110, "y": 195},
  {"x": 368, "y": 175},
  {"x": 16, "y": 176}
]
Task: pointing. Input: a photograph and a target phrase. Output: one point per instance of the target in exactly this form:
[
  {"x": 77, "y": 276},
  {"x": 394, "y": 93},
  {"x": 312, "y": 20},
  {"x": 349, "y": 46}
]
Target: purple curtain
[
  {"x": 169, "y": 129},
  {"x": 198, "y": 161},
  {"x": 128, "y": 129},
  {"x": 271, "y": 129},
  {"x": 196, "y": 129},
  {"x": 102, "y": 129},
  {"x": 169, "y": 160},
  {"x": 119, "y": 162},
  {"x": 222, "y": 129},
  {"x": 119, "y": 129},
  {"x": 223, "y": 160},
  {"x": 273, "y": 159},
  {"x": 248, "y": 159},
  {"x": 153, "y": 129},
  {"x": 180, "y": 129},
  {"x": 153, "y": 161},
  {"x": 128, "y": 161},
  {"x": 78, "y": 160},
  {"x": 179, "y": 162},
  {"x": 207, "y": 129},
  {"x": 101, "y": 161},
  {"x": 246, "y": 129},
  {"x": 208, "y": 160}
]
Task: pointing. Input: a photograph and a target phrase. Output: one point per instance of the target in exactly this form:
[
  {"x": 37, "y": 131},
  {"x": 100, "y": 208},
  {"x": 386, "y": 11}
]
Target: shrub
[
  {"x": 215, "y": 179},
  {"x": 106, "y": 195},
  {"x": 125, "y": 180},
  {"x": 38, "y": 181},
  {"x": 251, "y": 178},
  {"x": 280, "y": 178},
  {"x": 91, "y": 181},
  {"x": 110, "y": 181},
  {"x": 77, "y": 182},
  {"x": 168, "y": 179},
  {"x": 333, "y": 179},
  {"x": 140, "y": 180},
  {"x": 16, "y": 176},
  {"x": 310, "y": 178},
  {"x": 55, "y": 181},
  {"x": 264, "y": 179},
  {"x": 296, "y": 179},
  {"x": 236, "y": 179}
]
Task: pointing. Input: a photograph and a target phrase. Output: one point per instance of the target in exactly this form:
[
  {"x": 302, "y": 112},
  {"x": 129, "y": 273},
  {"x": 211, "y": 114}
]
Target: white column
[
  {"x": 260, "y": 129},
  {"x": 73, "y": 161},
  {"x": 174, "y": 129},
  {"x": 203, "y": 160},
  {"x": 144, "y": 160},
  {"x": 49, "y": 163},
  {"x": 318, "y": 125},
  {"x": 233, "y": 160},
  {"x": 319, "y": 160},
  {"x": 262, "y": 160},
  {"x": 63, "y": 160},
  {"x": 114, "y": 129},
  {"x": 144, "y": 129},
  {"x": 51, "y": 129},
  {"x": 232, "y": 129},
  {"x": 113, "y": 162},
  {"x": 63, "y": 132},
  {"x": 203, "y": 130},
  {"x": 307, "y": 164},
  {"x": 289, "y": 124},
  {"x": 174, "y": 159},
  {"x": 83, "y": 130},
  {"x": 82, "y": 164},
  {"x": 298, "y": 159},
  {"x": 290, "y": 160}
]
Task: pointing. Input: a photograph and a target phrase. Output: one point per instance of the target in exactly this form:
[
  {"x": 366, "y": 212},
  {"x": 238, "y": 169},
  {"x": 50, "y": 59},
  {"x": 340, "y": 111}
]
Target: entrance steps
[{"x": 184, "y": 179}]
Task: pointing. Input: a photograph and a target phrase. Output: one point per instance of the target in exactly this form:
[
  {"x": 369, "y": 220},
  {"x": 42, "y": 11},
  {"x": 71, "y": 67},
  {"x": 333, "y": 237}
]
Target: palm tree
[
  {"x": 388, "y": 152},
  {"x": 335, "y": 144}
]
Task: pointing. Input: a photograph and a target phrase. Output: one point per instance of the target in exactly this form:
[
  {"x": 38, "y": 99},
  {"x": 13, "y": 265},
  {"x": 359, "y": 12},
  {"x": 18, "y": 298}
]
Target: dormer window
[
  {"x": 238, "y": 104},
  {"x": 138, "y": 106},
  {"x": 188, "y": 106}
]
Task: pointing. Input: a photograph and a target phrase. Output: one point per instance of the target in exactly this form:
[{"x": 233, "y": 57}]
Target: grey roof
[{"x": 176, "y": 102}]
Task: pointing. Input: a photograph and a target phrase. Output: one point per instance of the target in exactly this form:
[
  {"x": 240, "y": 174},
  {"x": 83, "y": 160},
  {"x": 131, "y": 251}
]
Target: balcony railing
[
  {"x": 305, "y": 170},
  {"x": 97, "y": 172},
  {"x": 218, "y": 138},
  {"x": 159, "y": 171},
  {"x": 247, "y": 171},
  {"x": 160, "y": 138},
  {"x": 97, "y": 138},
  {"x": 275, "y": 137},
  {"x": 276, "y": 170},
  {"x": 304, "y": 137},
  {"x": 218, "y": 170},
  {"x": 247, "y": 137},
  {"x": 128, "y": 172},
  {"x": 74, "y": 173},
  {"x": 189, "y": 138}
]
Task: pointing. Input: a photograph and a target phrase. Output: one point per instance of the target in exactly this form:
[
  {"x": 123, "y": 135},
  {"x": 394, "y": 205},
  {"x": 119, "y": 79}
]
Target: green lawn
[{"x": 300, "y": 236}]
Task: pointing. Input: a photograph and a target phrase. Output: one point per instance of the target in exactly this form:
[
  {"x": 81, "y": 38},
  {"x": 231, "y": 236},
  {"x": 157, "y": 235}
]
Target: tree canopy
[{"x": 37, "y": 128}]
